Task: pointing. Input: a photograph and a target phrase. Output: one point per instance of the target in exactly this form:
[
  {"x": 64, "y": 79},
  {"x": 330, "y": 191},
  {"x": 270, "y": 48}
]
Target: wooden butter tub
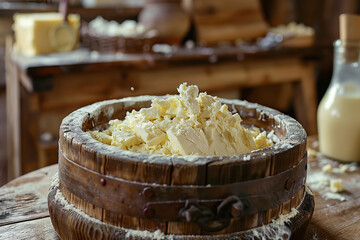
[{"x": 103, "y": 192}]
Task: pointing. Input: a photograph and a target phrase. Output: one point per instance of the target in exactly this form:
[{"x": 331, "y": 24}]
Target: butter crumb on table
[
  {"x": 344, "y": 168},
  {"x": 327, "y": 168},
  {"x": 336, "y": 185},
  {"x": 311, "y": 152},
  {"x": 190, "y": 123}
]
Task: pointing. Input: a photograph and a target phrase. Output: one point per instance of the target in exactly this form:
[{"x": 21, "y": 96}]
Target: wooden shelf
[
  {"x": 83, "y": 59},
  {"x": 7, "y": 9}
]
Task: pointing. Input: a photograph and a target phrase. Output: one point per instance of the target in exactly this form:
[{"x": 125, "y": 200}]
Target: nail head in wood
[
  {"x": 149, "y": 212},
  {"x": 103, "y": 181},
  {"x": 148, "y": 192}
]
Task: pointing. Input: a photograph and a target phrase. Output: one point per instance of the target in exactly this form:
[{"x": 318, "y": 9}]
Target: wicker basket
[{"x": 102, "y": 43}]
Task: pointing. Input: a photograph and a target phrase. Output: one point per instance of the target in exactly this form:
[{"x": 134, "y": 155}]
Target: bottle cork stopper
[
  {"x": 349, "y": 27},
  {"x": 350, "y": 36}
]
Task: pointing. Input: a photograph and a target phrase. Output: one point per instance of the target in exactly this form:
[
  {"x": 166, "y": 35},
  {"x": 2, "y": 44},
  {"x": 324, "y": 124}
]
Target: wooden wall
[{"x": 323, "y": 16}]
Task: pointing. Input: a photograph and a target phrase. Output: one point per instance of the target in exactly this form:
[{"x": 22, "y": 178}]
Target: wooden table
[
  {"x": 42, "y": 90},
  {"x": 336, "y": 216},
  {"x": 24, "y": 213}
]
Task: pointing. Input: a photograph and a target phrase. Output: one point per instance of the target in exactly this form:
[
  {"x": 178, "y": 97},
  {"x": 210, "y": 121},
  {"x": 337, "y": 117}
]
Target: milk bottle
[{"x": 339, "y": 110}]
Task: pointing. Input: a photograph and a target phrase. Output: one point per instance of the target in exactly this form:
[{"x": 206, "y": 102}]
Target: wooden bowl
[{"x": 109, "y": 193}]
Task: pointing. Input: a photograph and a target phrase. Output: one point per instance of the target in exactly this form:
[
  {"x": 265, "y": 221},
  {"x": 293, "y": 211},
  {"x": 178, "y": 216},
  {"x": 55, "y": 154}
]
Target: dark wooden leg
[{"x": 305, "y": 100}]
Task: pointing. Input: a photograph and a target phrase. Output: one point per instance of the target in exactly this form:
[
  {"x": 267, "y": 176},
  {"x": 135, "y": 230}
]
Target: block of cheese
[{"x": 44, "y": 33}]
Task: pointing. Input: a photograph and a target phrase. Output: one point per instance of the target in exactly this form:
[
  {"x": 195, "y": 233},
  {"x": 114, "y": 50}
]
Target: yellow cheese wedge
[
  {"x": 62, "y": 37},
  {"x": 44, "y": 33}
]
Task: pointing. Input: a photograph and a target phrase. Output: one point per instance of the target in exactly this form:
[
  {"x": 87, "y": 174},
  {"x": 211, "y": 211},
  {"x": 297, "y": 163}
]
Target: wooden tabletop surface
[{"x": 24, "y": 213}]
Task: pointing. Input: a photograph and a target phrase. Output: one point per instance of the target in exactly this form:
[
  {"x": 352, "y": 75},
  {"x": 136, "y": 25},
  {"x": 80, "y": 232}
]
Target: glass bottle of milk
[{"x": 339, "y": 110}]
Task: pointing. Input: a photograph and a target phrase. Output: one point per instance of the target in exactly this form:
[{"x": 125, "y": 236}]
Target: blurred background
[{"x": 274, "y": 52}]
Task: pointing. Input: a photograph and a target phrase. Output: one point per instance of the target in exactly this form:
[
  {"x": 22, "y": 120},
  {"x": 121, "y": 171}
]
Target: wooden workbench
[
  {"x": 42, "y": 90},
  {"x": 24, "y": 213}
]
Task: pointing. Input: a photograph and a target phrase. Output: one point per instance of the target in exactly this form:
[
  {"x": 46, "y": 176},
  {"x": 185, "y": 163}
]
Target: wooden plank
[
  {"x": 216, "y": 77},
  {"x": 212, "y": 34},
  {"x": 202, "y": 7},
  {"x": 333, "y": 218},
  {"x": 36, "y": 229},
  {"x": 13, "y": 114},
  {"x": 26, "y": 197},
  {"x": 118, "y": 13},
  {"x": 341, "y": 222},
  {"x": 305, "y": 97},
  {"x": 89, "y": 209},
  {"x": 84, "y": 88},
  {"x": 142, "y": 172},
  {"x": 219, "y": 21},
  {"x": 3, "y": 142},
  {"x": 185, "y": 173},
  {"x": 29, "y": 133}
]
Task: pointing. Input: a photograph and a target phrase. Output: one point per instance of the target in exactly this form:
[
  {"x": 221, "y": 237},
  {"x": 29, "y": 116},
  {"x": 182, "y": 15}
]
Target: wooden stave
[
  {"x": 76, "y": 136},
  {"x": 69, "y": 224},
  {"x": 168, "y": 200},
  {"x": 237, "y": 224},
  {"x": 98, "y": 162}
]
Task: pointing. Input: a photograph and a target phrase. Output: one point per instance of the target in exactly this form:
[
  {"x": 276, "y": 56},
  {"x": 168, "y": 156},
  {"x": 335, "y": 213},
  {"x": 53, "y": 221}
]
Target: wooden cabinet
[{"x": 42, "y": 90}]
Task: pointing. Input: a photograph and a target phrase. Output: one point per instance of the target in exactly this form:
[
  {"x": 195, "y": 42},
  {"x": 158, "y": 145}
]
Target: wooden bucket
[{"x": 108, "y": 193}]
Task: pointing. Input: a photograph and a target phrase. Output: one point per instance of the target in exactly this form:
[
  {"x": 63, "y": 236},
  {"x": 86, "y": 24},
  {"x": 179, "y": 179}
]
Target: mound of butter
[
  {"x": 44, "y": 33},
  {"x": 186, "y": 124}
]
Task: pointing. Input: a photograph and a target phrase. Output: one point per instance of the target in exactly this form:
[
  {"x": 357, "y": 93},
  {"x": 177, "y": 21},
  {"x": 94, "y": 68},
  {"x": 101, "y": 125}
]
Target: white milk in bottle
[{"x": 339, "y": 110}]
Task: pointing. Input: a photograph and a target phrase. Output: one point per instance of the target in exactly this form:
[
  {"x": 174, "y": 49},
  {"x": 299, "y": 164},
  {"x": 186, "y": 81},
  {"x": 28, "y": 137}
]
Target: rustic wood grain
[
  {"x": 117, "y": 82},
  {"x": 40, "y": 229},
  {"x": 3, "y": 140},
  {"x": 44, "y": 89},
  {"x": 25, "y": 199},
  {"x": 185, "y": 173},
  {"x": 87, "y": 155},
  {"x": 305, "y": 90},
  {"x": 226, "y": 21},
  {"x": 78, "y": 146},
  {"x": 71, "y": 224},
  {"x": 332, "y": 219},
  {"x": 12, "y": 114}
]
